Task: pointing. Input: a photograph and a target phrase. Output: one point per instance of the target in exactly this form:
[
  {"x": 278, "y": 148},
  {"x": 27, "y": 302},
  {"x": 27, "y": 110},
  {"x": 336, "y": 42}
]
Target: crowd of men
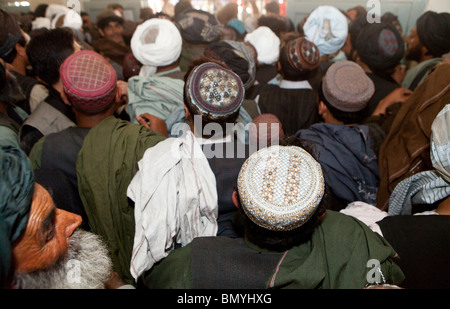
[{"x": 201, "y": 150}]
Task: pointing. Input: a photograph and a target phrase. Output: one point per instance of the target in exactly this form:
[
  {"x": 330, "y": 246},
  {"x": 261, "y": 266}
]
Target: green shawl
[
  {"x": 337, "y": 257},
  {"x": 106, "y": 165}
]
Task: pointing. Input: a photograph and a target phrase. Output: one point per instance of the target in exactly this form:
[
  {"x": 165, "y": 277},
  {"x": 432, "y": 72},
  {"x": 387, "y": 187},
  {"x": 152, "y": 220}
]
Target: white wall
[{"x": 438, "y": 6}]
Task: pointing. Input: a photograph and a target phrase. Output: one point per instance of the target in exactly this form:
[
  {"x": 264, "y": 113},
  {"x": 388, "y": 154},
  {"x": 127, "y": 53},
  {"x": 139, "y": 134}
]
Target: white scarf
[{"x": 175, "y": 199}]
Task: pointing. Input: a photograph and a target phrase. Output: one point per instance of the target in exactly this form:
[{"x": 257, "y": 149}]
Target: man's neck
[{"x": 19, "y": 66}]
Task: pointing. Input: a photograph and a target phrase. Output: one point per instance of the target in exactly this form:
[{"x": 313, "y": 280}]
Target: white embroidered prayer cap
[{"x": 280, "y": 187}]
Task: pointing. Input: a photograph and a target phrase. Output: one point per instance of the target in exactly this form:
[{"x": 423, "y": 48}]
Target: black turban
[
  {"x": 433, "y": 30},
  {"x": 16, "y": 192},
  {"x": 381, "y": 47}
]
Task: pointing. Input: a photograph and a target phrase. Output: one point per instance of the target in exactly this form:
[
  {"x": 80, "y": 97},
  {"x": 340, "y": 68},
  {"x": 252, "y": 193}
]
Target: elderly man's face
[
  {"x": 113, "y": 31},
  {"x": 47, "y": 235}
]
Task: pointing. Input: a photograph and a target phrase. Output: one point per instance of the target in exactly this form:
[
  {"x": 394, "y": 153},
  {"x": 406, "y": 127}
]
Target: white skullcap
[
  {"x": 41, "y": 22},
  {"x": 266, "y": 43},
  {"x": 280, "y": 187},
  {"x": 156, "y": 42},
  {"x": 326, "y": 27}
]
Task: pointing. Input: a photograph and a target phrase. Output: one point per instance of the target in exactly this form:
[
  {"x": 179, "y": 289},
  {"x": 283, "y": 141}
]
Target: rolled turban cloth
[
  {"x": 266, "y": 43},
  {"x": 380, "y": 46},
  {"x": 16, "y": 192},
  {"x": 157, "y": 42},
  {"x": 237, "y": 56},
  {"x": 70, "y": 19},
  {"x": 433, "y": 30},
  {"x": 89, "y": 81},
  {"x": 326, "y": 27}
]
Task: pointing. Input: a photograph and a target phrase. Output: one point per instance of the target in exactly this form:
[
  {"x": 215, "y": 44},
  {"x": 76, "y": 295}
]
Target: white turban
[
  {"x": 326, "y": 27},
  {"x": 55, "y": 9},
  {"x": 266, "y": 43},
  {"x": 157, "y": 42},
  {"x": 71, "y": 20},
  {"x": 41, "y": 22}
]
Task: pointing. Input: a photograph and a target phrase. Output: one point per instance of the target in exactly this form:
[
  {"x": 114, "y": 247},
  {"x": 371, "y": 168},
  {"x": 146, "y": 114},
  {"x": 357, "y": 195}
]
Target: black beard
[{"x": 414, "y": 53}]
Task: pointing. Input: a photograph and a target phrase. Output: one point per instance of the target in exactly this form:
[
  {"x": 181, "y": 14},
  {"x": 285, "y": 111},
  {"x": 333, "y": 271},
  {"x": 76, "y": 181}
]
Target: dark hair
[
  {"x": 345, "y": 117},
  {"x": 284, "y": 240},
  {"x": 276, "y": 24},
  {"x": 48, "y": 50},
  {"x": 273, "y": 7},
  {"x": 360, "y": 11},
  {"x": 354, "y": 28},
  {"x": 289, "y": 73},
  {"x": 40, "y": 10}
]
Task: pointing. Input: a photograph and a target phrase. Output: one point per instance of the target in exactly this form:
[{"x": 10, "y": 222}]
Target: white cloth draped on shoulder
[{"x": 175, "y": 199}]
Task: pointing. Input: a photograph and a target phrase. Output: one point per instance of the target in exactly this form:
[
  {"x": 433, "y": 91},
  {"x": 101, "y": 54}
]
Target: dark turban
[
  {"x": 16, "y": 192},
  {"x": 433, "y": 30},
  {"x": 381, "y": 47},
  {"x": 236, "y": 56}
]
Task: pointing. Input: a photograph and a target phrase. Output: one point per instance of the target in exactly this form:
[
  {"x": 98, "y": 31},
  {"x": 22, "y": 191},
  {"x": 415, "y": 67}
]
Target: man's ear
[
  {"x": 235, "y": 199},
  {"x": 186, "y": 112},
  {"x": 322, "y": 108},
  {"x": 101, "y": 32},
  {"x": 118, "y": 95},
  {"x": 21, "y": 51},
  {"x": 64, "y": 98}
]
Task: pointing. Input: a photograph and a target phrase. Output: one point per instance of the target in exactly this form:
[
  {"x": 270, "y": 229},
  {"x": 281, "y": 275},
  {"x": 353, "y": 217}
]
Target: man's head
[
  {"x": 298, "y": 57},
  {"x": 281, "y": 192},
  {"x": 89, "y": 83},
  {"x": 198, "y": 26},
  {"x": 48, "y": 50},
  {"x": 110, "y": 26},
  {"x": 327, "y": 27},
  {"x": 214, "y": 94},
  {"x": 38, "y": 234},
  {"x": 266, "y": 44},
  {"x": 380, "y": 46},
  {"x": 237, "y": 56},
  {"x": 12, "y": 40},
  {"x": 354, "y": 28},
  {"x": 273, "y": 8},
  {"x": 355, "y": 12},
  {"x": 429, "y": 38},
  {"x": 10, "y": 90},
  {"x": 156, "y": 43},
  {"x": 344, "y": 93}
]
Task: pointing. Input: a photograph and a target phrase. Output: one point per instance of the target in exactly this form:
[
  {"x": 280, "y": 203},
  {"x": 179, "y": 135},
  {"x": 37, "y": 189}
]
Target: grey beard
[{"x": 87, "y": 265}]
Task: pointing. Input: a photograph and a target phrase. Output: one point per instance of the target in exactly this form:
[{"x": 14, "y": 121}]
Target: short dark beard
[{"x": 415, "y": 53}]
